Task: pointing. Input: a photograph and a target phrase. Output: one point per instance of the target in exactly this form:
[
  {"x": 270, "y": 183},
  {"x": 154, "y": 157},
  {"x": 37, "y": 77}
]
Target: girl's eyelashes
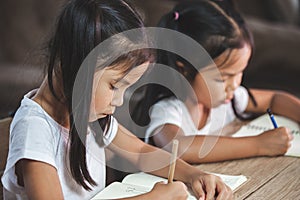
[
  {"x": 112, "y": 87},
  {"x": 220, "y": 81}
]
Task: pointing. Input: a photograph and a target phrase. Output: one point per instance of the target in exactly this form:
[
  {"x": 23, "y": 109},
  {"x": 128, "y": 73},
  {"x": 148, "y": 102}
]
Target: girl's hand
[
  {"x": 274, "y": 142},
  {"x": 176, "y": 190},
  {"x": 208, "y": 186}
]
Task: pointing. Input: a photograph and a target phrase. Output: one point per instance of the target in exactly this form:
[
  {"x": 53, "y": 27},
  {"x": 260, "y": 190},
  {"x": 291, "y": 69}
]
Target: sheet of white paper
[
  {"x": 147, "y": 180},
  {"x": 233, "y": 181},
  {"x": 118, "y": 190},
  {"x": 264, "y": 123}
]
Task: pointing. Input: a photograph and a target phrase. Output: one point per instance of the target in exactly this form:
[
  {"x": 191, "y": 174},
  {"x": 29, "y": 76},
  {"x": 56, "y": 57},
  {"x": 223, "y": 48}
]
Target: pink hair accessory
[{"x": 176, "y": 15}]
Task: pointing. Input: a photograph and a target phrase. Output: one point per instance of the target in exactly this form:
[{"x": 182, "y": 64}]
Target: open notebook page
[
  {"x": 139, "y": 183},
  {"x": 132, "y": 185},
  {"x": 117, "y": 190},
  {"x": 263, "y": 123}
]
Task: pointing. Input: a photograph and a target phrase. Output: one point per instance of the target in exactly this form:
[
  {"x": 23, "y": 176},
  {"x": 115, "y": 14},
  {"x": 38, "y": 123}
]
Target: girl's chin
[
  {"x": 95, "y": 118},
  {"x": 100, "y": 116}
]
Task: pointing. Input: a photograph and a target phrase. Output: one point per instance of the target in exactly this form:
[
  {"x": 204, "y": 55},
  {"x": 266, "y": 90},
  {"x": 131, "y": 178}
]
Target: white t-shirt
[
  {"x": 35, "y": 135},
  {"x": 173, "y": 111}
]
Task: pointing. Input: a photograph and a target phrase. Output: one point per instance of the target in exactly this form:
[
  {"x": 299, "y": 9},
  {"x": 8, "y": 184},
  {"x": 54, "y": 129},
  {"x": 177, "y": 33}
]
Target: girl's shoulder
[
  {"x": 170, "y": 102},
  {"x": 169, "y": 105},
  {"x": 32, "y": 118}
]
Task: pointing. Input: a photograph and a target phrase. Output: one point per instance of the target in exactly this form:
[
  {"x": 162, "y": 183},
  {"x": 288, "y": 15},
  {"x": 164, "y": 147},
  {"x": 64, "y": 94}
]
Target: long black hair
[
  {"x": 216, "y": 25},
  {"x": 81, "y": 26}
]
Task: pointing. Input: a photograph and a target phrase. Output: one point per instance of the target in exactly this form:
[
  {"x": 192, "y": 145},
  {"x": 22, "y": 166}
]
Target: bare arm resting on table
[
  {"x": 219, "y": 148},
  {"x": 143, "y": 156},
  {"x": 281, "y": 103}
]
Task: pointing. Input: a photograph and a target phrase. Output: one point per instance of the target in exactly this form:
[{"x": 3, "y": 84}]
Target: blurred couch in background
[
  {"x": 276, "y": 28},
  {"x": 25, "y": 26}
]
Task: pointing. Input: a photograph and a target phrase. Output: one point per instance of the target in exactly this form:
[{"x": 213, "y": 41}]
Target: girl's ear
[
  {"x": 179, "y": 64},
  {"x": 182, "y": 69}
]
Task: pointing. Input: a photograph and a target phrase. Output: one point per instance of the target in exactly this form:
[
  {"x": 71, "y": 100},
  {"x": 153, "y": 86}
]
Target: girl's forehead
[
  {"x": 139, "y": 70},
  {"x": 118, "y": 73},
  {"x": 135, "y": 73},
  {"x": 234, "y": 58}
]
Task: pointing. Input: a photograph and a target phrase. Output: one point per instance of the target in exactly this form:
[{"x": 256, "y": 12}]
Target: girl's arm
[
  {"x": 156, "y": 161},
  {"x": 200, "y": 149},
  {"x": 40, "y": 179},
  {"x": 281, "y": 103},
  {"x": 42, "y": 183}
]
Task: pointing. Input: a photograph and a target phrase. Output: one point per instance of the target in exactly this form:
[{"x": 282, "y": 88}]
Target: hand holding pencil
[
  {"x": 210, "y": 185},
  {"x": 272, "y": 118},
  {"x": 206, "y": 179},
  {"x": 273, "y": 142}
]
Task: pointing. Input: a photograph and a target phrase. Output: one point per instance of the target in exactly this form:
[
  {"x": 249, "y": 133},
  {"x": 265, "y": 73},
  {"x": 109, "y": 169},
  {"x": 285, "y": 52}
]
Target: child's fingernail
[{"x": 201, "y": 198}]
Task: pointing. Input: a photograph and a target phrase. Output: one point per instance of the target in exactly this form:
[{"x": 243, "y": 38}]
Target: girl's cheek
[{"x": 219, "y": 92}]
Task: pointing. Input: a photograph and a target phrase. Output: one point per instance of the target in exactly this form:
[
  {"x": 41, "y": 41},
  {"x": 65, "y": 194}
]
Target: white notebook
[
  {"x": 263, "y": 123},
  {"x": 140, "y": 183}
]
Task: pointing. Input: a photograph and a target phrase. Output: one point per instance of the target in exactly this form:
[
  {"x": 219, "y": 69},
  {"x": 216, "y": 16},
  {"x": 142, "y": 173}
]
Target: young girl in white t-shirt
[
  {"x": 58, "y": 135},
  {"x": 216, "y": 96}
]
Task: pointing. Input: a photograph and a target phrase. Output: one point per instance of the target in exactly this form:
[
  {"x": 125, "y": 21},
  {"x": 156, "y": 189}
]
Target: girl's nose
[
  {"x": 233, "y": 84},
  {"x": 118, "y": 99}
]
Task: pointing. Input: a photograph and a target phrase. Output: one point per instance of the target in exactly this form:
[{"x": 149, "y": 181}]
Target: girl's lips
[{"x": 108, "y": 113}]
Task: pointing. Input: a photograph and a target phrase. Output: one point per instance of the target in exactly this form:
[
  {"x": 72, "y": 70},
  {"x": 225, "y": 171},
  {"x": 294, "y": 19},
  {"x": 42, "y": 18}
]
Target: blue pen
[{"x": 272, "y": 118}]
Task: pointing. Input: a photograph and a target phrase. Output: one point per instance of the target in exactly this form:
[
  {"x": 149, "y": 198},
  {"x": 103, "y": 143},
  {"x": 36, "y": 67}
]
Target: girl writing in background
[
  {"x": 221, "y": 31},
  {"x": 59, "y": 133}
]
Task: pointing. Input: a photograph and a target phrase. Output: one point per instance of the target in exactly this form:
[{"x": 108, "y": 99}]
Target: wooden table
[{"x": 269, "y": 177}]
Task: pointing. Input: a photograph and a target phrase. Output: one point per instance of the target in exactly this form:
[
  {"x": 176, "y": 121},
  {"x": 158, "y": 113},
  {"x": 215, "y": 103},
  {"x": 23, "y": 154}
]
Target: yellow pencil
[{"x": 173, "y": 161}]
